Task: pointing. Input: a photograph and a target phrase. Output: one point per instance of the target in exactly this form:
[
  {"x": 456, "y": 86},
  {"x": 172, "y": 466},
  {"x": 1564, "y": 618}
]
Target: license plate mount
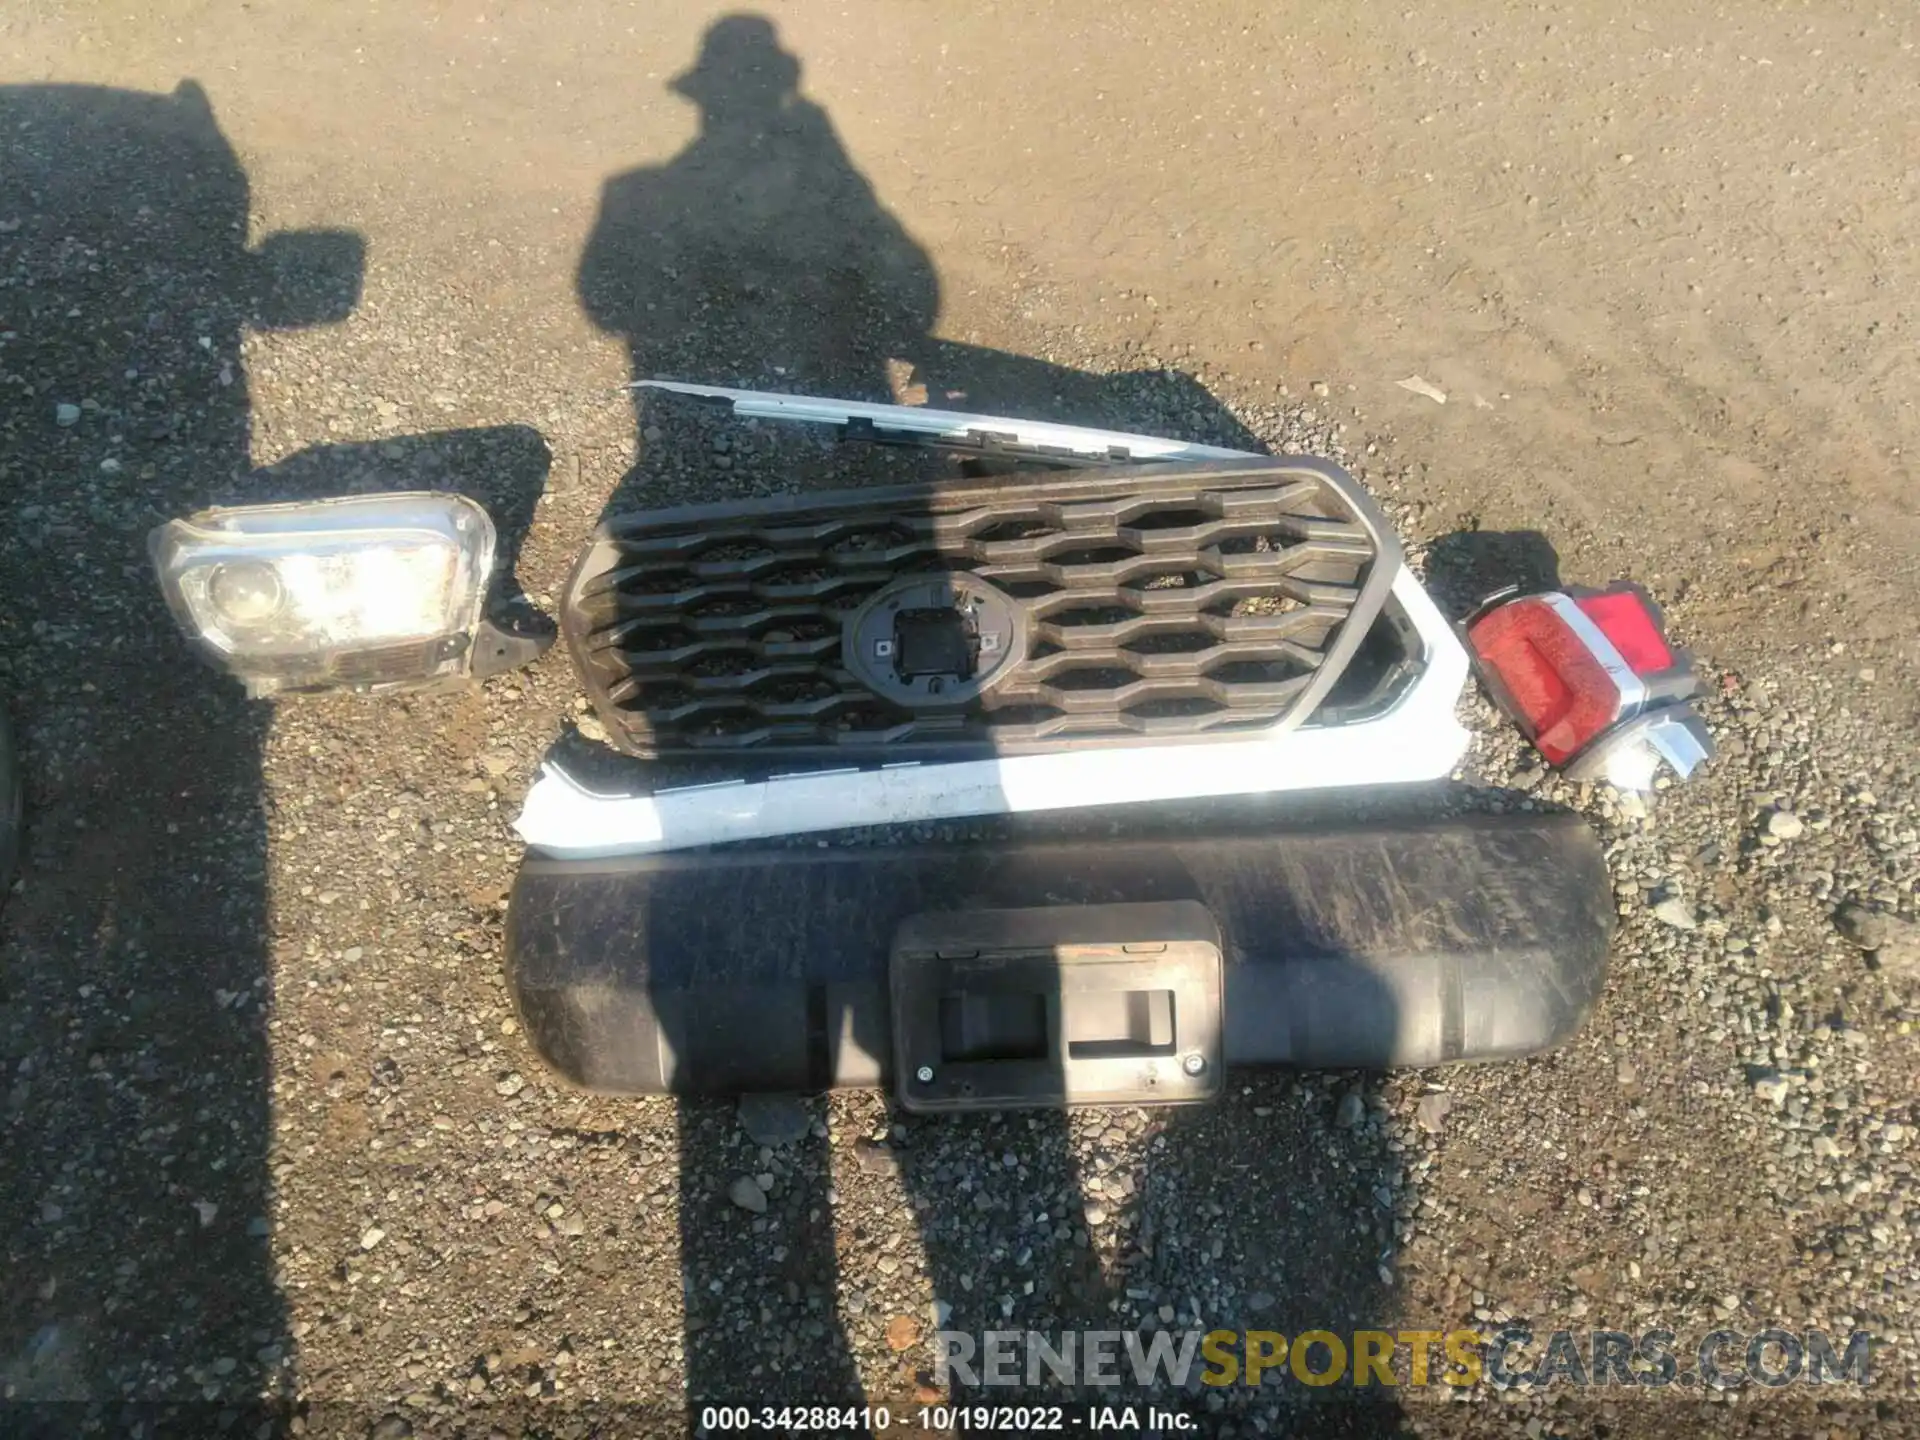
[{"x": 1057, "y": 1005}]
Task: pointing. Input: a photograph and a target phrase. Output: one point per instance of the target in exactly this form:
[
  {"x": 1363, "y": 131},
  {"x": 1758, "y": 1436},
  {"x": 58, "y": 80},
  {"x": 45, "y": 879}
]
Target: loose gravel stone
[
  {"x": 1892, "y": 941},
  {"x": 1785, "y": 825},
  {"x": 1861, "y": 925},
  {"x": 1771, "y": 1088},
  {"x": 774, "y": 1120},
  {"x": 1675, "y": 912},
  {"x": 876, "y": 1159},
  {"x": 747, "y": 1194}
]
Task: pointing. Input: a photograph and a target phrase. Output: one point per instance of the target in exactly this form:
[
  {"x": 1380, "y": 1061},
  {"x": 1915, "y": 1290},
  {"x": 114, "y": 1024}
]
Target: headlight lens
[
  {"x": 377, "y": 590},
  {"x": 246, "y": 593}
]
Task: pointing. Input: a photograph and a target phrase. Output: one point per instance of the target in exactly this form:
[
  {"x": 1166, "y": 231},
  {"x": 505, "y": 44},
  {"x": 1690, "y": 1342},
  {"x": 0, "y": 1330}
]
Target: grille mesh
[{"x": 1205, "y": 602}]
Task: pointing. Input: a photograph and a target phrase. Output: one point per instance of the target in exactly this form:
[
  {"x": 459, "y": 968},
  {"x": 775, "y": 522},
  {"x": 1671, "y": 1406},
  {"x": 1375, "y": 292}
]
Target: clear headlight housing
[{"x": 372, "y": 592}]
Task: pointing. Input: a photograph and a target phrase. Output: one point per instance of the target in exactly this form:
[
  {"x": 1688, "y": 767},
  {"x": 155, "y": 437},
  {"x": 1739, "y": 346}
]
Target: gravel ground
[{"x": 271, "y": 1129}]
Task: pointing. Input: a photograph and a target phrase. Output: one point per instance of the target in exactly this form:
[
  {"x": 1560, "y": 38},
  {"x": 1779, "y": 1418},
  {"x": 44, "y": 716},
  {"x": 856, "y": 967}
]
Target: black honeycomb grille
[{"x": 1157, "y": 604}]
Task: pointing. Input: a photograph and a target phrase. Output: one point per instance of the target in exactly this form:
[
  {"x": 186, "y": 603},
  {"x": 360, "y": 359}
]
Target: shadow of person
[
  {"x": 135, "y": 981},
  {"x": 759, "y": 251},
  {"x": 137, "y": 951},
  {"x": 760, "y": 256}
]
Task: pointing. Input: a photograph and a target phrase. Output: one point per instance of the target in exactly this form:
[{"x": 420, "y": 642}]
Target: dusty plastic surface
[{"x": 1390, "y": 945}]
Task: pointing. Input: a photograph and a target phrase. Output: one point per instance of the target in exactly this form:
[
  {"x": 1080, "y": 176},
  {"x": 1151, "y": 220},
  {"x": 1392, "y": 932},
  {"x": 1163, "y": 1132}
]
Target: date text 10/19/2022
[{"x": 875, "y": 1419}]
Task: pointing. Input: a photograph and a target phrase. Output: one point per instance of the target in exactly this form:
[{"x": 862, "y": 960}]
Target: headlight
[{"x": 374, "y": 591}]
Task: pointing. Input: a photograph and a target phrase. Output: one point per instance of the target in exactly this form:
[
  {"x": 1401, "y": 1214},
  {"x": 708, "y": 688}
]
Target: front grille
[{"x": 1121, "y": 605}]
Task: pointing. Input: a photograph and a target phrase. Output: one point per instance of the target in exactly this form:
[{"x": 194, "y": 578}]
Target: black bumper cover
[{"x": 1386, "y": 945}]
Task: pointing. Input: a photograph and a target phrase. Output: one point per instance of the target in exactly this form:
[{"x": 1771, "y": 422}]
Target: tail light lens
[
  {"x": 1631, "y": 623},
  {"x": 1574, "y": 669}
]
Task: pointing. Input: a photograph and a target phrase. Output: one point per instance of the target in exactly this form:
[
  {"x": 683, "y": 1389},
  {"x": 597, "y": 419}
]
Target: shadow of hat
[{"x": 740, "y": 55}]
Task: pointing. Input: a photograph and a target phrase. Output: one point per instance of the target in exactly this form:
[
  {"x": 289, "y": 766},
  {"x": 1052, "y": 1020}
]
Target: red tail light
[
  {"x": 1570, "y": 668},
  {"x": 1547, "y": 675},
  {"x": 1628, "y": 619}
]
